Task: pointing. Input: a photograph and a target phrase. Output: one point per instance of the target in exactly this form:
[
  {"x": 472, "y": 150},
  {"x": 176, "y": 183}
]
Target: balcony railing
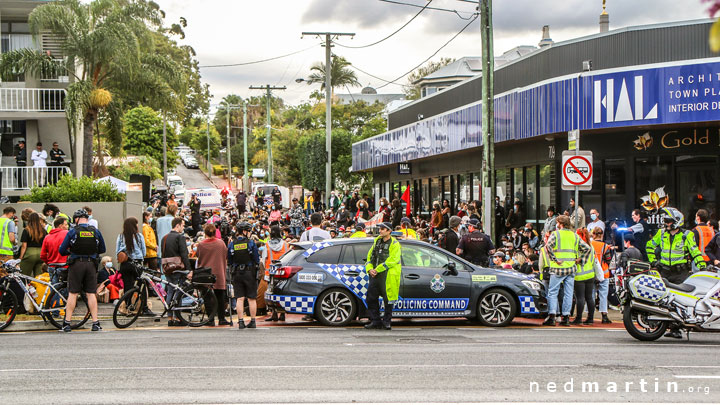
[
  {"x": 32, "y": 100},
  {"x": 25, "y": 178}
]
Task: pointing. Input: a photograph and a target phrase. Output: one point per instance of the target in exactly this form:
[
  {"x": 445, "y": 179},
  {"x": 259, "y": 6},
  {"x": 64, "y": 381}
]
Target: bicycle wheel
[
  {"x": 8, "y": 308},
  {"x": 57, "y": 301},
  {"x": 129, "y": 308},
  {"x": 196, "y": 313}
]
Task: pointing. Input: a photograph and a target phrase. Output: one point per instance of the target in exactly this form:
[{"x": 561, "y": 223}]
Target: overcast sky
[{"x": 234, "y": 31}]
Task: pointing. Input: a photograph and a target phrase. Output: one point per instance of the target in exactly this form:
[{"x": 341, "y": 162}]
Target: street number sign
[{"x": 577, "y": 170}]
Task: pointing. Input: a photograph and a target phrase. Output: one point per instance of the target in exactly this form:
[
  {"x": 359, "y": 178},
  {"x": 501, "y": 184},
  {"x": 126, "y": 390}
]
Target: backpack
[{"x": 442, "y": 239}]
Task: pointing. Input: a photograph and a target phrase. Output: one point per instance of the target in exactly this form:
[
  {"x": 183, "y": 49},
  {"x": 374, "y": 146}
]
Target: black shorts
[
  {"x": 245, "y": 284},
  {"x": 82, "y": 276}
]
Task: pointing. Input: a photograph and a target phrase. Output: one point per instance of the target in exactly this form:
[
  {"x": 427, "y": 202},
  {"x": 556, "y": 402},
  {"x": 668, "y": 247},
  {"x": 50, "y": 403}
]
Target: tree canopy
[{"x": 412, "y": 89}]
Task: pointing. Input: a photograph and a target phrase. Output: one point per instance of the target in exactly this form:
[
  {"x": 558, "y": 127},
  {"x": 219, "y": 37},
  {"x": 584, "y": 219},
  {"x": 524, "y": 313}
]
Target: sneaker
[
  {"x": 577, "y": 321},
  {"x": 674, "y": 333},
  {"x": 224, "y": 323},
  {"x": 550, "y": 321},
  {"x": 251, "y": 325},
  {"x": 148, "y": 313},
  {"x": 373, "y": 325},
  {"x": 66, "y": 327},
  {"x": 241, "y": 324},
  {"x": 605, "y": 319},
  {"x": 588, "y": 321},
  {"x": 96, "y": 327},
  {"x": 282, "y": 317},
  {"x": 387, "y": 326},
  {"x": 565, "y": 321}
]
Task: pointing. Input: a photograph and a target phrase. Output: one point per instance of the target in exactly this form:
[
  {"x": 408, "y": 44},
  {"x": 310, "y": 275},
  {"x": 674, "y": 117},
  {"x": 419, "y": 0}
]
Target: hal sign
[
  {"x": 404, "y": 168},
  {"x": 577, "y": 170}
]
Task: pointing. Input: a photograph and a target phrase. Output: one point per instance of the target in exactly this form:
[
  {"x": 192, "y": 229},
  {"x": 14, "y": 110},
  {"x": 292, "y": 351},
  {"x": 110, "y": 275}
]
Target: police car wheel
[
  {"x": 496, "y": 308},
  {"x": 335, "y": 307}
]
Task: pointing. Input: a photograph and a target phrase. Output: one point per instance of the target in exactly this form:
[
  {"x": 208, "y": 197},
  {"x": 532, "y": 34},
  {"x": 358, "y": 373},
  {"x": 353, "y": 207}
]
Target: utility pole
[
  {"x": 227, "y": 147},
  {"x": 268, "y": 140},
  {"x": 488, "y": 112},
  {"x": 328, "y": 104},
  {"x": 165, "y": 149},
  {"x": 245, "y": 162},
  {"x": 209, "y": 167}
]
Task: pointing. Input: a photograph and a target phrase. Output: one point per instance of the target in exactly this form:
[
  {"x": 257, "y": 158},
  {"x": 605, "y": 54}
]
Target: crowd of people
[{"x": 240, "y": 243}]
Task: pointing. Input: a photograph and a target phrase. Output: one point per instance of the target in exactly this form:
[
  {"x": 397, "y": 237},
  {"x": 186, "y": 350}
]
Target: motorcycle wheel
[{"x": 640, "y": 328}]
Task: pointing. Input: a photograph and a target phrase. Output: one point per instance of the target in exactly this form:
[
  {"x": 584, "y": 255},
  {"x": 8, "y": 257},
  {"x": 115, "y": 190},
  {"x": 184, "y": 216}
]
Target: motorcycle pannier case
[{"x": 648, "y": 287}]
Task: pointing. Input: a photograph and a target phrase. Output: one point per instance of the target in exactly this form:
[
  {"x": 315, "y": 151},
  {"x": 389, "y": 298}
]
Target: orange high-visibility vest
[
  {"x": 600, "y": 250},
  {"x": 706, "y": 233},
  {"x": 272, "y": 255}
]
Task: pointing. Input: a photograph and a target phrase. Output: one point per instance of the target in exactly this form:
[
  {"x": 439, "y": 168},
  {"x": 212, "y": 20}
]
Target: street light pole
[
  {"x": 488, "y": 112},
  {"x": 209, "y": 166},
  {"x": 328, "y": 104},
  {"x": 227, "y": 148},
  {"x": 268, "y": 139},
  {"x": 165, "y": 148}
]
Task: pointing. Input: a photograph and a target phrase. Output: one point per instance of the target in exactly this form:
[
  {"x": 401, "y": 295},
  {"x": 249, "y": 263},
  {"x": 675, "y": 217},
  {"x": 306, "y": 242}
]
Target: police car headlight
[{"x": 533, "y": 285}]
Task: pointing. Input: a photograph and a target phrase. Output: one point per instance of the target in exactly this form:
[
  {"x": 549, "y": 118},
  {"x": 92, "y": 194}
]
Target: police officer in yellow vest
[
  {"x": 359, "y": 231},
  {"x": 565, "y": 250},
  {"x": 384, "y": 269},
  {"x": 8, "y": 231},
  {"x": 675, "y": 246}
]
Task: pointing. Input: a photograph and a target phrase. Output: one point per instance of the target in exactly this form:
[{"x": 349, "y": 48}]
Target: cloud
[{"x": 363, "y": 13}]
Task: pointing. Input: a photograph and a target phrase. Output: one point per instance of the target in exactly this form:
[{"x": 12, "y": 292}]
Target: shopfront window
[
  {"x": 531, "y": 194},
  {"x": 435, "y": 195},
  {"x": 545, "y": 189},
  {"x": 518, "y": 194},
  {"x": 446, "y": 189},
  {"x": 593, "y": 199},
  {"x": 696, "y": 186},
  {"x": 464, "y": 188},
  {"x": 425, "y": 195},
  {"x": 501, "y": 180},
  {"x": 653, "y": 175},
  {"x": 476, "y": 187},
  {"x": 614, "y": 174}
]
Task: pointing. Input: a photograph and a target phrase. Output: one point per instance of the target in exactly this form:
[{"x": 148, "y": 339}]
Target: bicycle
[
  {"x": 51, "y": 306},
  {"x": 195, "y": 302}
]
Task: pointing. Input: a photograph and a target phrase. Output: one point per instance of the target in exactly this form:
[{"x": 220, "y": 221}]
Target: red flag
[{"x": 406, "y": 197}]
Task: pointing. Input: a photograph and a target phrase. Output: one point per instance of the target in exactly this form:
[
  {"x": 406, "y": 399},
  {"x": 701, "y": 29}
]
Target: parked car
[{"x": 328, "y": 280}]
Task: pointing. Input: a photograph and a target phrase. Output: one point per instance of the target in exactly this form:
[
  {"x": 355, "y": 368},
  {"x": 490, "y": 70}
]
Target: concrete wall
[{"x": 110, "y": 215}]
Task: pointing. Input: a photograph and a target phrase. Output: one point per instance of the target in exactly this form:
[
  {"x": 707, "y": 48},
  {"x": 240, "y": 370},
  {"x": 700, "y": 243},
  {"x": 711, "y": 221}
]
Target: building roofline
[{"x": 569, "y": 42}]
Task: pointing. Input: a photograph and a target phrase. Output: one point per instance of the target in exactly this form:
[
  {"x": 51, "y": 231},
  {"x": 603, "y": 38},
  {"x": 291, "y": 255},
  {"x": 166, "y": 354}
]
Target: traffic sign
[{"x": 577, "y": 170}]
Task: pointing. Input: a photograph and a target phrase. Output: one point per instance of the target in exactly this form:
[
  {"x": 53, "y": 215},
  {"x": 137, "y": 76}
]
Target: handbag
[
  {"x": 122, "y": 257},
  {"x": 170, "y": 264},
  {"x": 599, "y": 272}
]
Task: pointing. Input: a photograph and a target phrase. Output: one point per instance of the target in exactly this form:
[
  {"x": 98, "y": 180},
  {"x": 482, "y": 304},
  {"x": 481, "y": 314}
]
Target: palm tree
[
  {"x": 107, "y": 50},
  {"x": 340, "y": 74}
]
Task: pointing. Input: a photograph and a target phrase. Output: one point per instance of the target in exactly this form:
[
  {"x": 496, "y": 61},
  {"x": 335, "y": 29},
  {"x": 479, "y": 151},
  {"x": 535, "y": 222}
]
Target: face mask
[
  {"x": 108, "y": 265},
  {"x": 593, "y": 216},
  {"x": 342, "y": 206},
  {"x": 507, "y": 257},
  {"x": 194, "y": 248},
  {"x": 382, "y": 203}
]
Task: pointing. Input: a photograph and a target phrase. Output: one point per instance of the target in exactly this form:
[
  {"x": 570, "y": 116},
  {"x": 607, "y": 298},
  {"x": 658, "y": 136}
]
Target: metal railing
[
  {"x": 30, "y": 100},
  {"x": 25, "y": 178}
]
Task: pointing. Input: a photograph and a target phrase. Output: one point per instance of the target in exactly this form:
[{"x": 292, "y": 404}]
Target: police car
[{"x": 327, "y": 279}]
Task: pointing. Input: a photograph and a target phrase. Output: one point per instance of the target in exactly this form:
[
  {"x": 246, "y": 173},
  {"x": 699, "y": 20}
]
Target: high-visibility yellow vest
[
  {"x": 587, "y": 271},
  {"x": 6, "y": 246},
  {"x": 566, "y": 249}
]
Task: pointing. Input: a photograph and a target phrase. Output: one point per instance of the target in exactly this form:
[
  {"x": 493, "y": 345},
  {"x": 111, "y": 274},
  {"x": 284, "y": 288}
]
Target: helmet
[
  {"x": 81, "y": 213},
  {"x": 243, "y": 226},
  {"x": 670, "y": 213}
]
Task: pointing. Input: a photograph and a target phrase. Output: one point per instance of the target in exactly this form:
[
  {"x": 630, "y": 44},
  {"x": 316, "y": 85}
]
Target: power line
[
  {"x": 421, "y": 63},
  {"x": 395, "y": 32},
  {"x": 432, "y": 8},
  {"x": 258, "y": 61}
]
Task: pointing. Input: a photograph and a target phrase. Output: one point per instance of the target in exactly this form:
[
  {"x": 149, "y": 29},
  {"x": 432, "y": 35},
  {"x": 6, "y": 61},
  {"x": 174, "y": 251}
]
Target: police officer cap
[
  {"x": 243, "y": 226},
  {"x": 405, "y": 220},
  {"x": 474, "y": 222},
  {"x": 386, "y": 225},
  {"x": 81, "y": 213},
  {"x": 359, "y": 227}
]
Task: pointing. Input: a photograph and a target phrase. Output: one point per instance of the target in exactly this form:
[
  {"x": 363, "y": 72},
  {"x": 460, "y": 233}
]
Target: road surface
[
  {"x": 193, "y": 178},
  {"x": 423, "y": 362}
]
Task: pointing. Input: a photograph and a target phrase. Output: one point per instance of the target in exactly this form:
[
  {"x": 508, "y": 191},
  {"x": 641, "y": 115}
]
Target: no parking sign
[{"x": 577, "y": 170}]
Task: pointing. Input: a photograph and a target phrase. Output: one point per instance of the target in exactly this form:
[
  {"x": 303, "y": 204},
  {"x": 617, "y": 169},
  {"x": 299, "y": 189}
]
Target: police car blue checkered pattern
[
  {"x": 527, "y": 305},
  {"x": 294, "y": 304},
  {"x": 357, "y": 284},
  {"x": 315, "y": 247}
]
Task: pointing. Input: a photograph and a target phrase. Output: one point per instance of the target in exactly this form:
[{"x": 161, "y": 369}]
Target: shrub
[
  {"x": 142, "y": 165},
  {"x": 71, "y": 189},
  {"x": 218, "y": 170}
]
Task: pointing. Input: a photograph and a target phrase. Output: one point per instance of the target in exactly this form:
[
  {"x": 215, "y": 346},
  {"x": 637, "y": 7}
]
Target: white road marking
[
  {"x": 326, "y": 366},
  {"x": 688, "y": 366}
]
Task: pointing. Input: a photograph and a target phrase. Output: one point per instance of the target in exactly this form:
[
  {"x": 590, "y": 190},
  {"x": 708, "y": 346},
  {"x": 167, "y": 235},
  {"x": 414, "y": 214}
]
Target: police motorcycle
[{"x": 652, "y": 304}]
